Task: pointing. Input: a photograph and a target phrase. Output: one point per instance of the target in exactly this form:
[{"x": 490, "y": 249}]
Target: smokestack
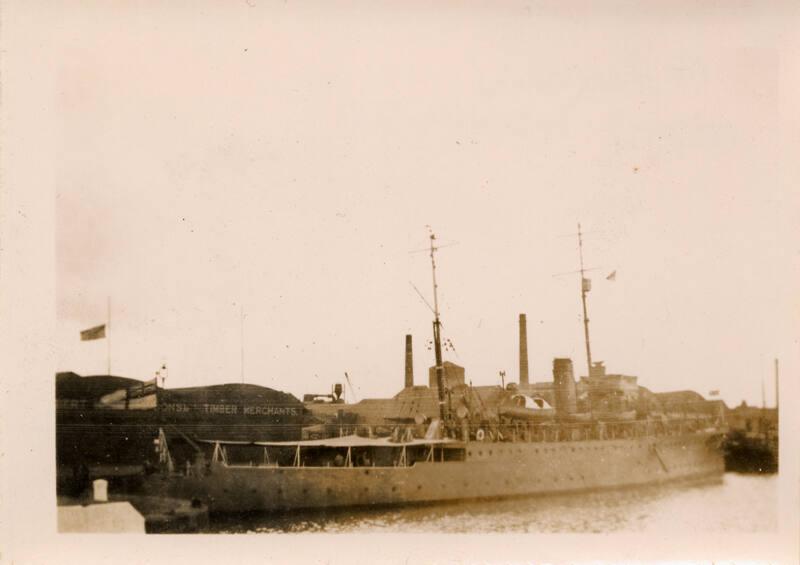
[
  {"x": 523, "y": 351},
  {"x": 564, "y": 384},
  {"x": 409, "y": 363}
]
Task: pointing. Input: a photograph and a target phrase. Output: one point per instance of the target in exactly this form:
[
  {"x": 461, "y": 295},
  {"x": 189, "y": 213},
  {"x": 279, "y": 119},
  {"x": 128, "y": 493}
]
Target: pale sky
[{"x": 288, "y": 156}]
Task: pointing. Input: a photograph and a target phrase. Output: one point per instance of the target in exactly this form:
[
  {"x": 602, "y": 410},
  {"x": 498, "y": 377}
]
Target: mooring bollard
[{"x": 100, "y": 487}]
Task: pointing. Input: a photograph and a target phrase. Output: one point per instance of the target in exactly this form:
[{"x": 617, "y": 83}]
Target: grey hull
[{"x": 490, "y": 470}]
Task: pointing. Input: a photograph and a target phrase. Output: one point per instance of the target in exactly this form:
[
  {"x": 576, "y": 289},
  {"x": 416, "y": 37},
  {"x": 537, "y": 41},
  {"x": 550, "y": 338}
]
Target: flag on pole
[
  {"x": 587, "y": 285},
  {"x": 97, "y": 332},
  {"x": 612, "y": 276}
]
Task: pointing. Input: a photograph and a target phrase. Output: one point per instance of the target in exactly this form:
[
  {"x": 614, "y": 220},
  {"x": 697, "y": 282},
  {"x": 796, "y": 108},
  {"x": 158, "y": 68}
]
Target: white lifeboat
[{"x": 528, "y": 408}]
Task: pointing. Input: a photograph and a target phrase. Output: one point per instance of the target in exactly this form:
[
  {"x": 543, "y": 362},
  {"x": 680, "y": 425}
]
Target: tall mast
[
  {"x": 584, "y": 289},
  {"x": 437, "y": 327}
]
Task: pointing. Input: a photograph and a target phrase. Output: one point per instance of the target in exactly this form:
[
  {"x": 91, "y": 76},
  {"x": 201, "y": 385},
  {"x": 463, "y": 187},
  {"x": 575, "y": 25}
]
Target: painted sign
[{"x": 231, "y": 409}]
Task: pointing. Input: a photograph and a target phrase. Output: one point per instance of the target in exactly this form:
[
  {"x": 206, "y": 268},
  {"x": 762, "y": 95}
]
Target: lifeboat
[{"x": 524, "y": 407}]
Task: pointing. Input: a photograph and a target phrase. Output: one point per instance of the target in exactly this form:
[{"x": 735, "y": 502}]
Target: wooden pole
[
  {"x": 241, "y": 339},
  {"x": 108, "y": 333},
  {"x": 777, "y": 395}
]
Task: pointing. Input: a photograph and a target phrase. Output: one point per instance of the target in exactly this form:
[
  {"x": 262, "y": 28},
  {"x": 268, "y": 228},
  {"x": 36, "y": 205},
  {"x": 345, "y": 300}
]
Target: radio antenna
[{"x": 422, "y": 297}]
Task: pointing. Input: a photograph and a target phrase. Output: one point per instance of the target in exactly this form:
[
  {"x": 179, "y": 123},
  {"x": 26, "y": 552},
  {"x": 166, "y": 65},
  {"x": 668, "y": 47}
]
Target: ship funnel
[
  {"x": 409, "y": 362},
  {"x": 523, "y": 351},
  {"x": 564, "y": 384}
]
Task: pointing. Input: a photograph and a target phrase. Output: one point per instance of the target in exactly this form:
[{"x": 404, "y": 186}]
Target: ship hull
[{"x": 490, "y": 470}]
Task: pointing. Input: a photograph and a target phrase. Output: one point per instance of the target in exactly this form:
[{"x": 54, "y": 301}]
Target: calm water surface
[{"x": 737, "y": 503}]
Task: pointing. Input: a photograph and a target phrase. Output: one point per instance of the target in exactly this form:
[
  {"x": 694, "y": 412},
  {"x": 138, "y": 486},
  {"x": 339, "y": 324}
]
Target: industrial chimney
[
  {"x": 523, "y": 351},
  {"x": 409, "y": 363}
]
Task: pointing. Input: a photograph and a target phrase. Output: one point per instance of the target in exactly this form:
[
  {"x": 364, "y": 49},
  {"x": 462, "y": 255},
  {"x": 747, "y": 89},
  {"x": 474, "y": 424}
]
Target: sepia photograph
[{"x": 478, "y": 271}]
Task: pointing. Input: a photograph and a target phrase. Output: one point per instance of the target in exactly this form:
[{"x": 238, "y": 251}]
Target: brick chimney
[
  {"x": 523, "y": 351},
  {"x": 409, "y": 363}
]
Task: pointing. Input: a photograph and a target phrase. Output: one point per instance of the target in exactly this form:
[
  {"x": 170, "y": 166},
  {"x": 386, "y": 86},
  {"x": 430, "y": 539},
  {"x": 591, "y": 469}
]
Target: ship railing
[
  {"x": 582, "y": 431},
  {"x": 220, "y": 454},
  {"x": 319, "y": 453}
]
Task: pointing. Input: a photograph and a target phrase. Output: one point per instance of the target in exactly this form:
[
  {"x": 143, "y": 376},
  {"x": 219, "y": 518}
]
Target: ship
[
  {"x": 751, "y": 444},
  {"x": 452, "y": 441},
  {"x": 750, "y": 453}
]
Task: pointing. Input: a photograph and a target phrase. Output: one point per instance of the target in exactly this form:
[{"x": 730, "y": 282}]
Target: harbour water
[{"x": 736, "y": 503}]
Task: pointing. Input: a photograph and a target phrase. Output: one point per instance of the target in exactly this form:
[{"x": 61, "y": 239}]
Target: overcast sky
[{"x": 287, "y": 158}]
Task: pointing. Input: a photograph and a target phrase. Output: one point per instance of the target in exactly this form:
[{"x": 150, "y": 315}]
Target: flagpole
[
  {"x": 108, "y": 333},
  {"x": 777, "y": 397},
  {"x": 241, "y": 339}
]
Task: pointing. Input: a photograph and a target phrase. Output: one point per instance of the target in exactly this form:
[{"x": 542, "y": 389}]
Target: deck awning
[{"x": 345, "y": 441}]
